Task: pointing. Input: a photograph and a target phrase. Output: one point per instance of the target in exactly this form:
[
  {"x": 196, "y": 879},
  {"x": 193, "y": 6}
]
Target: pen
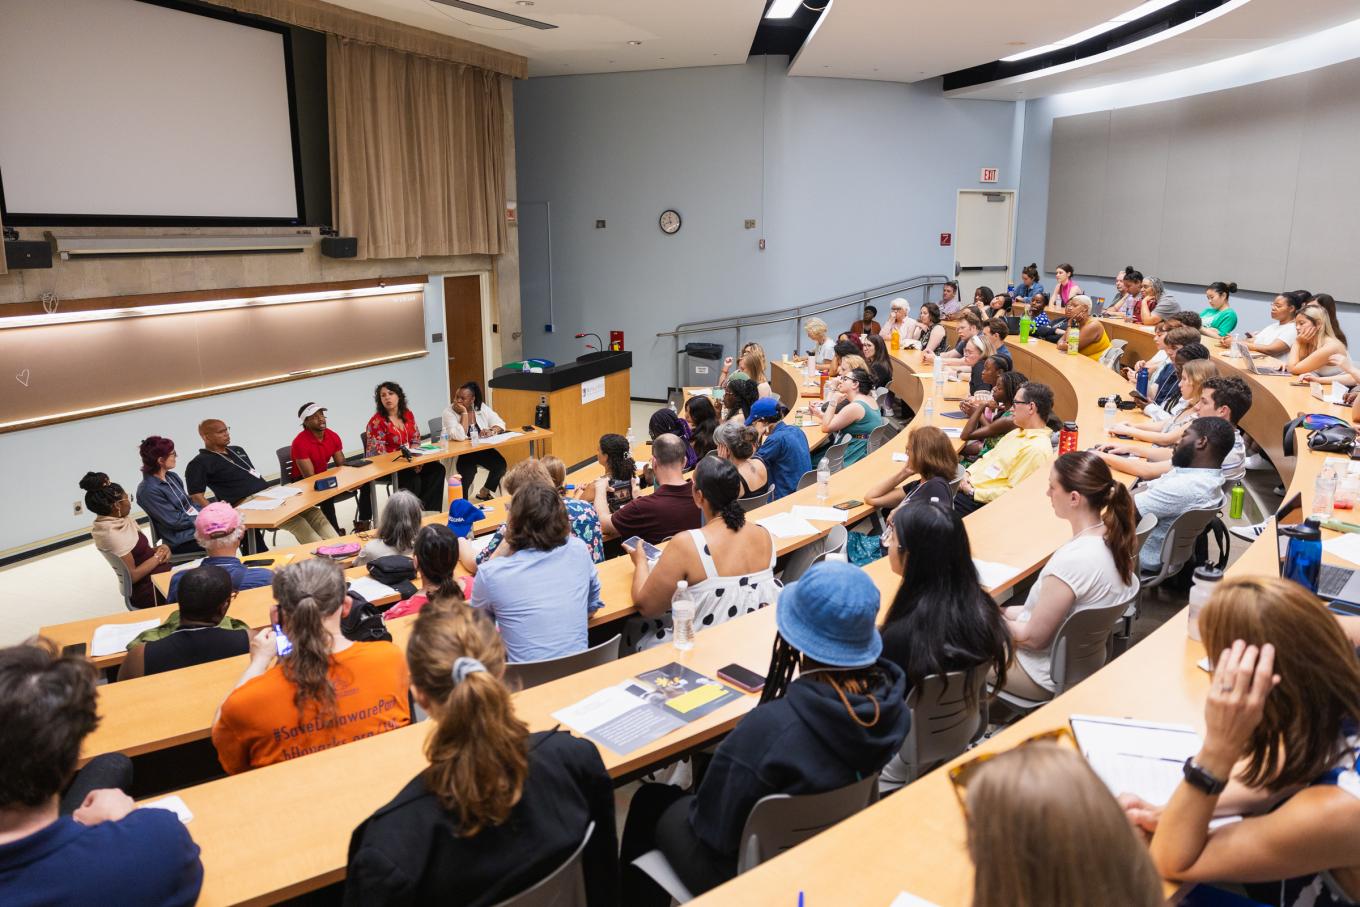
[
  {"x": 1158, "y": 758},
  {"x": 800, "y": 899}
]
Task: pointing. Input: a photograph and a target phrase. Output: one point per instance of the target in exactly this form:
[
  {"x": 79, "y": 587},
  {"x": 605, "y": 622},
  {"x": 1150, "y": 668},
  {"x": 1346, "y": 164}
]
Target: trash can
[{"x": 703, "y": 364}]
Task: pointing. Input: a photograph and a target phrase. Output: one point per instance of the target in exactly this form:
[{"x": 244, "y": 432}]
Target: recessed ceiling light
[
  {"x": 524, "y": 2},
  {"x": 783, "y": 9},
  {"x": 635, "y": 43}
]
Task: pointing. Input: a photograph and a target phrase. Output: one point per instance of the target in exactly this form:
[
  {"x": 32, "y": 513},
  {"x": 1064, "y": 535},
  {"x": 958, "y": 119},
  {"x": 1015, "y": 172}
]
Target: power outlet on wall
[
  {"x": 548, "y": 328},
  {"x": 77, "y": 508}
]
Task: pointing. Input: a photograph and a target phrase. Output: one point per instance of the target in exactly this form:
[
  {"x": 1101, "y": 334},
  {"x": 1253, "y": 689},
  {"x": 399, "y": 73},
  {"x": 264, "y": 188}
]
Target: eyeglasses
[
  {"x": 961, "y": 774},
  {"x": 1018, "y": 402}
]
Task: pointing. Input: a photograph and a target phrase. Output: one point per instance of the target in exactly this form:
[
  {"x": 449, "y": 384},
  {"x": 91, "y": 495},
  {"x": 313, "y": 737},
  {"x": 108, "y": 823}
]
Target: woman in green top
[
  {"x": 1219, "y": 320},
  {"x": 857, "y": 417}
]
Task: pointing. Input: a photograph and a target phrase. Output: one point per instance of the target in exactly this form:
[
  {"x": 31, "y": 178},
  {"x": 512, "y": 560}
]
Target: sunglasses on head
[{"x": 961, "y": 774}]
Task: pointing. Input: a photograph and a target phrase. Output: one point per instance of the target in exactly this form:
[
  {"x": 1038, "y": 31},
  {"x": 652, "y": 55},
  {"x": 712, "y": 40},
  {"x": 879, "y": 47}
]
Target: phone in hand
[
  {"x": 1138, "y": 396},
  {"x": 848, "y": 505},
  {"x": 648, "y": 548},
  {"x": 742, "y": 678},
  {"x": 282, "y": 644}
]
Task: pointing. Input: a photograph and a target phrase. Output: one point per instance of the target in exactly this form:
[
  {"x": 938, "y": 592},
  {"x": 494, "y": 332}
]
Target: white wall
[
  {"x": 850, "y": 181},
  {"x": 43, "y": 466},
  {"x": 1323, "y": 49}
]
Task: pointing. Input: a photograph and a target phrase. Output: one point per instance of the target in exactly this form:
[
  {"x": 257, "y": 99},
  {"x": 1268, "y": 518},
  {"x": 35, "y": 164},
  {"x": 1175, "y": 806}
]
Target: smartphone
[
  {"x": 75, "y": 648},
  {"x": 258, "y": 562},
  {"x": 742, "y": 678},
  {"x": 282, "y": 644},
  {"x": 648, "y": 548},
  {"x": 848, "y": 505},
  {"x": 1137, "y": 396}
]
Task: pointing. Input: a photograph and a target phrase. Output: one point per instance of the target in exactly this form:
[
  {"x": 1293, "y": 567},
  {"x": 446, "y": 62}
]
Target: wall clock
[{"x": 669, "y": 222}]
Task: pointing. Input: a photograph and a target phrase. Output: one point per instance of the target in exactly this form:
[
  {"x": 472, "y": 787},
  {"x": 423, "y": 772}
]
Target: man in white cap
[{"x": 316, "y": 449}]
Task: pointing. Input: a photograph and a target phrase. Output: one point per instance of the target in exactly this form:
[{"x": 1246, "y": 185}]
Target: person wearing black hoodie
[{"x": 840, "y": 721}]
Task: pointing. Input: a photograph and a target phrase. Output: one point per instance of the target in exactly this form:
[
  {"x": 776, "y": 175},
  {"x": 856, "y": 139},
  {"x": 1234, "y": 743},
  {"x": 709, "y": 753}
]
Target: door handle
[{"x": 982, "y": 267}]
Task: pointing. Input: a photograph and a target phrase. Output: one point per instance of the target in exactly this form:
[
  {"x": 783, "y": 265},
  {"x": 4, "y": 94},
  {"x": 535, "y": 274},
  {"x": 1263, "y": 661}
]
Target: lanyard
[{"x": 235, "y": 459}]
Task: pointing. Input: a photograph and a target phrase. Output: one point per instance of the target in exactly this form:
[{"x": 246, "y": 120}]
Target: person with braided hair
[
  {"x": 729, "y": 563},
  {"x": 619, "y": 470},
  {"x": 839, "y": 721},
  {"x": 498, "y": 808},
  {"x": 322, "y": 692}
]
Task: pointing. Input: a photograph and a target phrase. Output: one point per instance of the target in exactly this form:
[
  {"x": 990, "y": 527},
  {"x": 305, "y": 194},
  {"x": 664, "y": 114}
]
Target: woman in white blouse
[
  {"x": 1277, "y": 338},
  {"x": 467, "y": 412}
]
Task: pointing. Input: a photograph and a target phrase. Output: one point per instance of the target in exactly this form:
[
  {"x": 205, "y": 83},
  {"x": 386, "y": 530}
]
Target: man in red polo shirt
[
  {"x": 316, "y": 449},
  {"x": 657, "y": 516}
]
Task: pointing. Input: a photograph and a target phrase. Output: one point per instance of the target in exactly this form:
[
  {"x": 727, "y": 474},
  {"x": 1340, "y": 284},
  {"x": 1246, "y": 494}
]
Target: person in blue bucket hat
[{"x": 837, "y": 722}]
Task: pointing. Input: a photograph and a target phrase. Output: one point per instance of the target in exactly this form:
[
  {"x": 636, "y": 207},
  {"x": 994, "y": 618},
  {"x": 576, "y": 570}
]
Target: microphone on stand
[{"x": 597, "y": 337}]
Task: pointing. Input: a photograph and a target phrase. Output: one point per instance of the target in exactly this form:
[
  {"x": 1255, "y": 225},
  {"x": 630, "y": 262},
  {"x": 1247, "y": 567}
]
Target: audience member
[
  {"x": 1128, "y": 288},
  {"x": 1094, "y": 569},
  {"x": 1092, "y": 340},
  {"x": 950, "y": 303},
  {"x": 435, "y": 557},
  {"x": 1076, "y": 849},
  {"x": 218, "y": 530},
  {"x": 866, "y": 325},
  {"x": 941, "y": 620},
  {"x": 1328, "y": 305},
  {"x": 1015, "y": 456},
  {"x": 843, "y": 350},
  {"x": 702, "y": 418},
  {"x": 585, "y": 522},
  {"x": 931, "y": 459},
  {"x": 666, "y": 421},
  {"x": 311, "y": 688},
  {"x": 199, "y": 631},
  {"x": 392, "y": 429},
  {"x": 987, "y": 422},
  {"x": 1038, "y": 314},
  {"x": 1180, "y": 349},
  {"x": 397, "y": 528},
  {"x": 469, "y": 409},
  {"x": 821, "y": 351},
  {"x": 104, "y": 851},
  {"x": 1066, "y": 289},
  {"x": 498, "y": 808},
  {"x": 542, "y": 588},
  {"x": 1219, "y": 319},
  {"x": 1156, "y": 303},
  {"x": 1166, "y": 432},
  {"x": 994, "y": 331},
  {"x": 856, "y": 420},
  {"x": 840, "y": 721},
  {"x": 1277, "y": 338},
  {"x": 728, "y": 564},
  {"x": 620, "y": 472},
  {"x": 899, "y": 319},
  {"x": 737, "y": 445},
  {"x": 982, "y": 302},
  {"x": 164, "y": 498},
  {"x": 117, "y": 534},
  {"x": 1315, "y": 344},
  {"x": 1194, "y": 482},
  {"x": 1029, "y": 283},
  {"x": 728, "y": 372},
  {"x": 1279, "y": 748},
  {"x": 969, "y": 326},
  {"x": 738, "y": 398},
  {"x": 667, "y": 510},
  {"x": 929, "y": 330},
  {"x": 876, "y": 354},
  {"x": 228, "y": 472},
  {"x": 1159, "y": 359}
]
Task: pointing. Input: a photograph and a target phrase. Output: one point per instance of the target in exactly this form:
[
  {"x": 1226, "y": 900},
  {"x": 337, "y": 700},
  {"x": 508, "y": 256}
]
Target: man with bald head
[{"x": 229, "y": 474}]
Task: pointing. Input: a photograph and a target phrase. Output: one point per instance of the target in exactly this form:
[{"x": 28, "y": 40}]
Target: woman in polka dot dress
[{"x": 729, "y": 563}]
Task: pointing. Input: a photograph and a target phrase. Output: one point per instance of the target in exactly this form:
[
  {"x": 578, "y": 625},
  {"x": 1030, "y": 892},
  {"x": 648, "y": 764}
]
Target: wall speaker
[
  {"x": 339, "y": 246},
  {"x": 27, "y": 253}
]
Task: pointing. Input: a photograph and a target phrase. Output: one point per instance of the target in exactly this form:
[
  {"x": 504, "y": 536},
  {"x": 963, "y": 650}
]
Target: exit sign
[
  {"x": 946, "y": 239},
  {"x": 988, "y": 175}
]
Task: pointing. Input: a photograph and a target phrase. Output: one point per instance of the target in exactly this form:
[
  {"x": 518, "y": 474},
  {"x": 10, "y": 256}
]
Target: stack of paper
[
  {"x": 110, "y": 639},
  {"x": 371, "y": 589},
  {"x": 787, "y": 525},
  {"x": 279, "y": 492},
  {"x": 1136, "y": 757},
  {"x": 260, "y": 503},
  {"x": 825, "y": 514},
  {"x": 992, "y": 574},
  {"x": 1344, "y": 546}
]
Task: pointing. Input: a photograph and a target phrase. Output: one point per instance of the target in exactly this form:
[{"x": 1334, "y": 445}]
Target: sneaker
[
  {"x": 1257, "y": 462},
  {"x": 1249, "y": 533}
]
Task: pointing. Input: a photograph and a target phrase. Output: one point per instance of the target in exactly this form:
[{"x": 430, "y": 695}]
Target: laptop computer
[
  {"x": 1339, "y": 586},
  {"x": 1012, "y": 325},
  {"x": 1245, "y": 355}
]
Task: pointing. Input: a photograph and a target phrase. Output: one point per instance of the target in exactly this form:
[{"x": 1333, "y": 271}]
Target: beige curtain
[
  {"x": 417, "y": 153},
  {"x": 4, "y": 269}
]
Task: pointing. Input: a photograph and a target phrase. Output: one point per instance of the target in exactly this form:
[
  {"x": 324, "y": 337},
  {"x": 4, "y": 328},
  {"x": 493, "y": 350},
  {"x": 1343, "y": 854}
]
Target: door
[
  {"x": 463, "y": 331},
  {"x": 982, "y": 241}
]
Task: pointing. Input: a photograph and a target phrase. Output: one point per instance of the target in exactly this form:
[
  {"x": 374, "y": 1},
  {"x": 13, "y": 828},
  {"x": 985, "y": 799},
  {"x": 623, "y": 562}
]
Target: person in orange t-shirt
[{"x": 325, "y": 692}]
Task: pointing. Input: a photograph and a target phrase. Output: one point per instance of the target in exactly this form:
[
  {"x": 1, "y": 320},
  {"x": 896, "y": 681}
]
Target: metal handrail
[{"x": 797, "y": 314}]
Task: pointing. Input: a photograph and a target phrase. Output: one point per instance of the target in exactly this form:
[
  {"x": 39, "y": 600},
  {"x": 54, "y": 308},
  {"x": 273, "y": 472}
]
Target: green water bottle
[
  {"x": 1236, "y": 498},
  {"x": 1026, "y": 325}
]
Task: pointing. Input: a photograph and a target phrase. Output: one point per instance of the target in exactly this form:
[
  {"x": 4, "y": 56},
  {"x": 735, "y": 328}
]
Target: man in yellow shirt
[{"x": 1015, "y": 456}]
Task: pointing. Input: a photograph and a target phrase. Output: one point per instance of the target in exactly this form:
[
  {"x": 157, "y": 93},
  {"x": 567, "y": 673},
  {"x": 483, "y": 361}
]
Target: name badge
[
  {"x": 191, "y": 510},
  {"x": 256, "y": 474},
  {"x": 992, "y": 472}
]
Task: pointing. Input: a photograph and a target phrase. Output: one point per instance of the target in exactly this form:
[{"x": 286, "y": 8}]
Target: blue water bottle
[
  {"x": 1142, "y": 381},
  {"x": 1303, "y": 557}
]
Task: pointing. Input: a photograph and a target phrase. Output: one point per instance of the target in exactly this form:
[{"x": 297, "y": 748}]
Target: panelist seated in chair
[
  {"x": 391, "y": 428},
  {"x": 162, "y": 495},
  {"x": 316, "y": 449},
  {"x": 467, "y": 411},
  {"x": 1015, "y": 456},
  {"x": 1093, "y": 569},
  {"x": 117, "y": 534},
  {"x": 219, "y": 530},
  {"x": 840, "y": 721},
  {"x": 1194, "y": 482},
  {"x": 231, "y": 476}
]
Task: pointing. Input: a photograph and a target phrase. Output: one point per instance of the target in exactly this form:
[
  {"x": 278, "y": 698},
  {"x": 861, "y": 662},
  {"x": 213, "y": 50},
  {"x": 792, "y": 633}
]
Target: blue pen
[{"x": 800, "y": 899}]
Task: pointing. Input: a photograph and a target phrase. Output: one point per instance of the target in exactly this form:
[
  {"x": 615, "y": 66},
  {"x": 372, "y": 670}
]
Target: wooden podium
[{"x": 586, "y": 399}]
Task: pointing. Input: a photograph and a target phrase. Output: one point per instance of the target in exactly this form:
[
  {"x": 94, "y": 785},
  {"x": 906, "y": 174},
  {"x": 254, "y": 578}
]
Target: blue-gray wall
[{"x": 850, "y": 182}]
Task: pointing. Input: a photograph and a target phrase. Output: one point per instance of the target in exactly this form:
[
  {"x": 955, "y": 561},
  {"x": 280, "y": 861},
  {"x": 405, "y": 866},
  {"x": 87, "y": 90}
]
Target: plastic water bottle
[
  {"x": 938, "y": 374},
  {"x": 629, "y": 435},
  {"x": 672, "y": 406},
  {"x": 1111, "y": 413},
  {"x": 895, "y": 341},
  {"x": 823, "y": 480},
  {"x": 1206, "y": 581},
  {"x": 474, "y": 434},
  {"x": 1073, "y": 340},
  {"x": 928, "y": 411},
  {"x": 682, "y": 617},
  {"x": 443, "y": 436},
  {"x": 455, "y": 486},
  {"x": 1324, "y": 493}
]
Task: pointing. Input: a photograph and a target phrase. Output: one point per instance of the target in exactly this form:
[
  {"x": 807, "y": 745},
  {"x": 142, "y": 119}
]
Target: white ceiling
[
  {"x": 909, "y": 40},
  {"x": 593, "y": 35},
  {"x": 1232, "y": 29}
]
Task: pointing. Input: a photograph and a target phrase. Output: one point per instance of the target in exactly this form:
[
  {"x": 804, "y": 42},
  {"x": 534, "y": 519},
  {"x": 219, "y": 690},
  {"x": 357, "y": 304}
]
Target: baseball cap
[
  {"x": 764, "y": 408},
  {"x": 308, "y": 410},
  {"x": 462, "y": 514},
  {"x": 218, "y": 518}
]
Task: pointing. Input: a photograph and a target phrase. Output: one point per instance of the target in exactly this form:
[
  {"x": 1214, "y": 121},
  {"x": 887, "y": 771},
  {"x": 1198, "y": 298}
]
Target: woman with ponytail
[
  {"x": 436, "y": 558},
  {"x": 729, "y": 563},
  {"x": 498, "y": 808},
  {"x": 1218, "y": 319},
  {"x": 322, "y": 691},
  {"x": 1094, "y": 569}
]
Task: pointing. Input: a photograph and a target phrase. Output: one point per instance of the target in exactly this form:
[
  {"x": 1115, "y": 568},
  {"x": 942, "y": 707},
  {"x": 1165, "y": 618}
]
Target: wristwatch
[{"x": 1201, "y": 780}]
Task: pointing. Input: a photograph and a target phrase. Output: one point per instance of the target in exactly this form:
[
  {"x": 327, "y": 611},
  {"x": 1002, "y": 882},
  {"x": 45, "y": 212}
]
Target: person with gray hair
[
  {"x": 667, "y": 510},
  {"x": 308, "y": 688},
  {"x": 1156, "y": 303},
  {"x": 218, "y": 529},
  {"x": 401, "y": 520},
  {"x": 737, "y": 445}
]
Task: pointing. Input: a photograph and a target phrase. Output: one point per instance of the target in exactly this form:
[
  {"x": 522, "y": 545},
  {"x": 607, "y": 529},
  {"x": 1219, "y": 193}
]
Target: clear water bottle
[
  {"x": 938, "y": 374},
  {"x": 672, "y": 406},
  {"x": 1206, "y": 581},
  {"x": 929, "y": 410},
  {"x": 682, "y": 617},
  {"x": 629, "y": 435},
  {"x": 443, "y": 436},
  {"x": 1111, "y": 413},
  {"x": 1324, "y": 493},
  {"x": 823, "y": 480},
  {"x": 474, "y": 434}
]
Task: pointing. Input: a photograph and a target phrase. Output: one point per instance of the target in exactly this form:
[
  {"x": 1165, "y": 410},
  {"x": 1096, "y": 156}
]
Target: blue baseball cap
[
  {"x": 763, "y": 408},
  {"x": 462, "y": 515},
  {"x": 830, "y": 615}
]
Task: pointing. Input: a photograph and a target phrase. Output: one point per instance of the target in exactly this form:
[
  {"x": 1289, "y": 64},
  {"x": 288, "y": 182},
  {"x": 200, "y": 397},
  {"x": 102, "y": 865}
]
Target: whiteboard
[{"x": 127, "y": 109}]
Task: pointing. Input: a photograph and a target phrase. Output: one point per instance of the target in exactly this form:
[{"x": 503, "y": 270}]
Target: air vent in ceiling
[{"x": 495, "y": 13}]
